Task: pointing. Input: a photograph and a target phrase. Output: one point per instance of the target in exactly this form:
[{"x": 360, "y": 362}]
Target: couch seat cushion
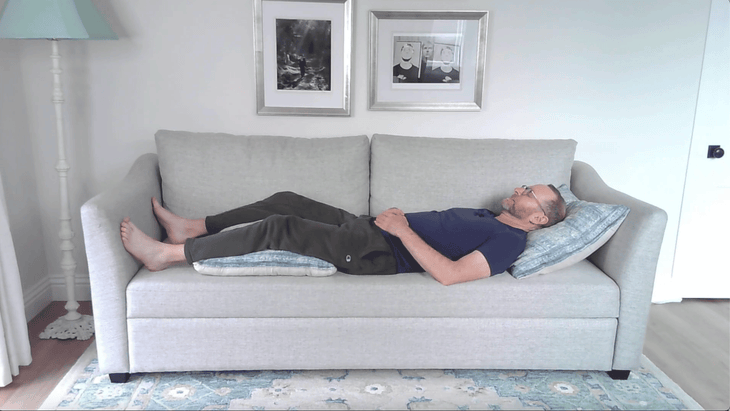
[{"x": 578, "y": 291}]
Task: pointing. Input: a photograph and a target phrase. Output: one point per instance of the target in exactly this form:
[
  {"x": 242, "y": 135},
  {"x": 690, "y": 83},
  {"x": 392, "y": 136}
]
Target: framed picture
[
  {"x": 303, "y": 52},
  {"x": 427, "y": 60}
]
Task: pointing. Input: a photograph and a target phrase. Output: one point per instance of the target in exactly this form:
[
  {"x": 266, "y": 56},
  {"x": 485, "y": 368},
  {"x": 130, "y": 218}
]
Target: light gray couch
[{"x": 590, "y": 316}]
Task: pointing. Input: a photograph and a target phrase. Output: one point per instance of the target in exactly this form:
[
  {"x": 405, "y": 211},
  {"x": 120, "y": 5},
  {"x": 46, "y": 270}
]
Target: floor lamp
[{"x": 55, "y": 20}]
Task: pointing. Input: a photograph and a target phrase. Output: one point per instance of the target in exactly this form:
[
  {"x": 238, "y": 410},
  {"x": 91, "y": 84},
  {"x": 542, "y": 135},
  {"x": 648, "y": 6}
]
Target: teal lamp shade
[{"x": 53, "y": 19}]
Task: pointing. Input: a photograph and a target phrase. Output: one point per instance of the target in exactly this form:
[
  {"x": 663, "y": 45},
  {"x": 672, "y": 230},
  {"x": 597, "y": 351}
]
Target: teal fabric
[
  {"x": 60, "y": 19},
  {"x": 586, "y": 226},
  {"x": 269, "y": 262},
  {"x": 437, "y": 389}
]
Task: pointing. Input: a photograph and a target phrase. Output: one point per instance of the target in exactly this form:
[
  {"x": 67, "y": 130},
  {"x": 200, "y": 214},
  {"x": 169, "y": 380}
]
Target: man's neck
[{"x": 512, "y": 221}]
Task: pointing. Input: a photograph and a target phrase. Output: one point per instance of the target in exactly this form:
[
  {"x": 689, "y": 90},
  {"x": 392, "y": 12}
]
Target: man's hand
[
  {"x": 469, "y": 267},
  {"x": 393, "y": 221}
]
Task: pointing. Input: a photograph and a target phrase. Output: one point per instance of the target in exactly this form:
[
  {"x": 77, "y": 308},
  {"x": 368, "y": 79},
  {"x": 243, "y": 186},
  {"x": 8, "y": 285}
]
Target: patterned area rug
[{"x": 649, "y": 388}]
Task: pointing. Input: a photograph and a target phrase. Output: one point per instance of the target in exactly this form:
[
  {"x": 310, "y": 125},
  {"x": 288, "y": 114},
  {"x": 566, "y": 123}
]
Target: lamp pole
[
  {"x": 73, "y": 324},
  {"x": 68, "y": 263}
]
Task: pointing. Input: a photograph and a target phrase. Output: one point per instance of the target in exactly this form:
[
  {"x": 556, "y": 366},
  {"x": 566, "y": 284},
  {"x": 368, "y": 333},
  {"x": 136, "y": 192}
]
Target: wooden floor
[
  {"x": 51, "y": 361},
  {"x": 689, "y": 341}
]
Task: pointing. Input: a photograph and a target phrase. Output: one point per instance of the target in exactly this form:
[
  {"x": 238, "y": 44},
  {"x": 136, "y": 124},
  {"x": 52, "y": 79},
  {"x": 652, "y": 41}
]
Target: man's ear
[{"x": 539, "y": 219}]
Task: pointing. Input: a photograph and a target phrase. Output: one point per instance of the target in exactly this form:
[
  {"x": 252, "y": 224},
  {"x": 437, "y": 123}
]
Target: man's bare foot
[
  {"x": 178, "y": 228},
  {"x": 153, "y": 254}
]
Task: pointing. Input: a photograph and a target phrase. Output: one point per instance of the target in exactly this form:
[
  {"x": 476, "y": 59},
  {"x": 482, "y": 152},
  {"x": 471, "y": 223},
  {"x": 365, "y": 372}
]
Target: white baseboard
[
  {"x": 82, "y": 290},
  {"x": 53, "y": 289},
  {"x": 37, "y": 298},
  {"x": 666, "y": 292}
]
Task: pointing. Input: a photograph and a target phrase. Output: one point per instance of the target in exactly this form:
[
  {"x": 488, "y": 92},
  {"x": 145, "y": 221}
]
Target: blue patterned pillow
[
  {"x": 587, "y": 226},
  {"x": 269, "y": 262}
]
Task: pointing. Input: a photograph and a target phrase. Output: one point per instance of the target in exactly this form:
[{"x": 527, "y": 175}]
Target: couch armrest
[
  {"x": 629, "y": 258},
  {"x": 110, "y": 266}
]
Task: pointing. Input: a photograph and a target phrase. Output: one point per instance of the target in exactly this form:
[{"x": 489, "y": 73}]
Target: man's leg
[
  {"x": 355, "y": 247},
  {"x": 283, "y": 203}
]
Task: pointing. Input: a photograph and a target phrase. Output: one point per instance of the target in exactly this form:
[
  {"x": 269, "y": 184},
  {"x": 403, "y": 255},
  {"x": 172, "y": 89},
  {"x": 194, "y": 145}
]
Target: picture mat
[
  {"x": 387, "y": 28},
  {"x": 334, "y": 12}
]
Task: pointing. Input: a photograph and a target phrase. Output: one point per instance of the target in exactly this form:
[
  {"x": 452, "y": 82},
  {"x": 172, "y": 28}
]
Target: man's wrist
[{"x": 403, "y": 231}]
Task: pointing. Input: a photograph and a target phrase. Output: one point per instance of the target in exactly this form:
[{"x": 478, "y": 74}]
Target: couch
[{"x": 591, "y": 315}]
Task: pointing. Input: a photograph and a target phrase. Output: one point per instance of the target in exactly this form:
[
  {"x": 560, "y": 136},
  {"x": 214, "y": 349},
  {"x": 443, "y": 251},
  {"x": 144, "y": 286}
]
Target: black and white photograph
[
  {"x": 304, "y": 54},
  {"x": 426, "y": 59},
  {"x": 444, "y": 66},
  {"x": 303, "y": 57},
  {"x": 406, "y": 61}
]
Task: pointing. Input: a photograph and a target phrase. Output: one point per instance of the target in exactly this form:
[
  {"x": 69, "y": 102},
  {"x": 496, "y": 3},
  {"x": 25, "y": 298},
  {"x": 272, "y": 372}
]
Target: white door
[{"x": 700, "y": 268}]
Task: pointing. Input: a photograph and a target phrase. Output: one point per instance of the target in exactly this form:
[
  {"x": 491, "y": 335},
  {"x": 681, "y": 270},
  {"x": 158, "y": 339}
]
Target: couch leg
[
  {"x": 619, "y": 374},
  {"x": 120, "y": 378}
]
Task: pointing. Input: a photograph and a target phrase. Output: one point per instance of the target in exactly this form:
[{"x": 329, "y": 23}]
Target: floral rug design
[{"x": 85, "y": 388}]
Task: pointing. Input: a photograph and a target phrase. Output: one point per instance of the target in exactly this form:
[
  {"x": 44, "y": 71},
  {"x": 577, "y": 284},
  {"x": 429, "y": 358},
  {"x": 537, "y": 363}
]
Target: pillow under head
[{"x": 586, "y": 227}]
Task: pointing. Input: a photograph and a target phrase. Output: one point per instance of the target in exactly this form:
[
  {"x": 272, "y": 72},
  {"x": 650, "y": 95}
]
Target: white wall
[{"x": 621, "y": 77}]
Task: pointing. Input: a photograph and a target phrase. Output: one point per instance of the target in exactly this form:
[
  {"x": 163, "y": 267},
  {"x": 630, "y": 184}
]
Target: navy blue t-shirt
[{"x": 459, "y": 231}]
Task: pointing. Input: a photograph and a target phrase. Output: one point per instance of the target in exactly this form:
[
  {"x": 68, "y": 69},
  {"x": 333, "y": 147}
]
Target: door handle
[{"x": 715, "y": 152}]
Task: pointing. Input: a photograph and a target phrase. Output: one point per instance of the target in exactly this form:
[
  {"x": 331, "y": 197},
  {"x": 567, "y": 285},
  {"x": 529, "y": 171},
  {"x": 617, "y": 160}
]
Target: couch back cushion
[
  {"x": 208, "y": 173},
  {"x": 424, "y": 174}
]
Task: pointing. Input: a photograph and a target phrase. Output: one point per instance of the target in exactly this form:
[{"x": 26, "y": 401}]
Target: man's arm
[{"x": 471, "y": 267}]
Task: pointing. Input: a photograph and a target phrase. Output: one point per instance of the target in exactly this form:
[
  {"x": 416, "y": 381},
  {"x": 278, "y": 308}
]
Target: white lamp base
[{"x": 63, "y": 329}]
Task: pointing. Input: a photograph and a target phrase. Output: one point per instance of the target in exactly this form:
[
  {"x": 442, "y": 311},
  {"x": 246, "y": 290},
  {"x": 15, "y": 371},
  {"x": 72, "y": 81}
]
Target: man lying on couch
[{"x": 454, "y": 246}]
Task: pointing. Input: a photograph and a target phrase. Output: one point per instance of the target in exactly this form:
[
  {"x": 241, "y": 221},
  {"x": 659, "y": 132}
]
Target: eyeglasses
[{"x": 528, "y": 190}]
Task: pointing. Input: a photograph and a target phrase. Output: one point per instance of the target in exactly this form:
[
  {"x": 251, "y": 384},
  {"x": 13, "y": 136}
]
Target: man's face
[
  {"x": 406, "y": 52},
  {"x": 447, "y": 56},
  {"x": 526, "y": 202},
  {"x": 428, "y": 50}
]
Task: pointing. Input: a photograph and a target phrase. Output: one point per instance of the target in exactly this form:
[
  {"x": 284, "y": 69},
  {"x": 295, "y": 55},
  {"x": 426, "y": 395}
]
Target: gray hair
[{"x": 556, "y": 208}]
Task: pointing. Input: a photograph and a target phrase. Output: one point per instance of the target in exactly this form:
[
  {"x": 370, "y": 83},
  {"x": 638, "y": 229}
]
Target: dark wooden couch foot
[
  {"x": 120, "y": 378},
  {"x": 619, "y": 374}
]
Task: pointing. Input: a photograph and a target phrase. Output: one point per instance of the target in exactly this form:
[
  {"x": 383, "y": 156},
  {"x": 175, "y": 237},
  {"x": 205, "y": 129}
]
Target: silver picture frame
[
  {"x": 400, "y": 38},
  {"x": 303, "y": 57}
]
